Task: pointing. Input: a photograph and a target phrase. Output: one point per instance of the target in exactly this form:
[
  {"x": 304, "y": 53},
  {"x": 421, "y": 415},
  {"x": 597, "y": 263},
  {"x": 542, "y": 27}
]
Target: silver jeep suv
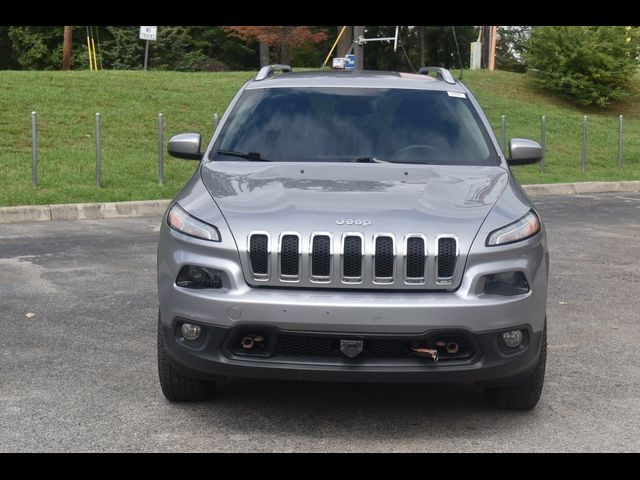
[{"x": 353, "y": 226}]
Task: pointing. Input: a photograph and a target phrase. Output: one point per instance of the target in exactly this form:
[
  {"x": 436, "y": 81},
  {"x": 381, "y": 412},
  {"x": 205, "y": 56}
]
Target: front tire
[
  {"x": 176, "y": 386},
  {"x": 524, "y": 395}
]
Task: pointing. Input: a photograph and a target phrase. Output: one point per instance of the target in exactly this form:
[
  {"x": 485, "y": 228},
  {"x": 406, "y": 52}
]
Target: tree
[
  {"x": 585, "y": 64},
  {"x": 37, "y": 48},
  {"x": 8, "y": 60},
  {"x": 510, "y": 47},
  {"x": 421, "y": 57},
  {"x": 175, "y": 50},
  {"x": 123, "y": 50},
  {"x": 283, "y": 38}
]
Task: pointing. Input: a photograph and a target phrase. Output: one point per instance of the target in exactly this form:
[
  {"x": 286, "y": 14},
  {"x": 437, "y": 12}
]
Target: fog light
[
  {"x": 190, "y": 331},
  {"x": 199, "y": 277},
  {"x": 513, "y": 338},
  {"x": 507, "y": 283}
]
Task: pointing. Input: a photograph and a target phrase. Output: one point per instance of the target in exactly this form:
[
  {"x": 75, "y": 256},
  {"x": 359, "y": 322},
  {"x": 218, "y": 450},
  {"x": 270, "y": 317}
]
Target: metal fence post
[
  {"x": 503, "y": 133},
  {"x": 34, "y": 152},
  {"x": 98, "y": 166},
  {"x": 584, "y": 143},
  {"x": 620, "y": 126},
  {"x": 161, "y": 149},
  {"x": 215, "y": 121},
  {"x": 543, "y": 128}
]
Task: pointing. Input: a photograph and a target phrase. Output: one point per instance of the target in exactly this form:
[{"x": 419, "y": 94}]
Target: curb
[
  {"x": 82, "y": 211},
  {"x": 151, "y": 208},
  {"x": 580, "y": 188}
]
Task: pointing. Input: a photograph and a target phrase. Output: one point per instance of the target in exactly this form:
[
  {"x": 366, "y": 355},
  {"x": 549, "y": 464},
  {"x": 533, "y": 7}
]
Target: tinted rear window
[{"x": 344, "y": 124}]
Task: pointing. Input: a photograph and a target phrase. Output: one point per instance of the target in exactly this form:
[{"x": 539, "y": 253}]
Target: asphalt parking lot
[{"x": 80, "y": 374}]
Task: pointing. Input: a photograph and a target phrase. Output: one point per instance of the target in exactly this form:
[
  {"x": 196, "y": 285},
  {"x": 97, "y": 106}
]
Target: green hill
[{"x": 129, "y": 102}]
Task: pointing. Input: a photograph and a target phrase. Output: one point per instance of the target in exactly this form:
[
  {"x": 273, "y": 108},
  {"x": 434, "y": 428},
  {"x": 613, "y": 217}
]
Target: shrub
[{"x": 588, "y": 65}]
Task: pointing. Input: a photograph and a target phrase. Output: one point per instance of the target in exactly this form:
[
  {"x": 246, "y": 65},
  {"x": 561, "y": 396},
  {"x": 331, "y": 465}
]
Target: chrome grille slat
[
  {"x": 446, "y": 259},
  {"x": 259, "y": 255},
  {"x": 383, "y": 258},
  {"x": 321, "y": 260},
  {"x": 289, "y": 260},
  {"x": 415, "y": 259},
  {"x": 352, "y": 252}
]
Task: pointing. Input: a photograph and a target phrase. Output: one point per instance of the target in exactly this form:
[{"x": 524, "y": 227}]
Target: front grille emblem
[
  {"x": 351, "y": 348},
  {"x": 365, "y": 222}
]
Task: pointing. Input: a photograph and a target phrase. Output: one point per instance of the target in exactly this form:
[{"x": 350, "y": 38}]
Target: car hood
[{"x": 338, "y": 197}]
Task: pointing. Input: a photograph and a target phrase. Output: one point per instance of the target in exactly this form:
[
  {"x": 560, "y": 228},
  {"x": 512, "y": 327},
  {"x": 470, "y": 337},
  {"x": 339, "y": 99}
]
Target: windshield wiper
[
  {"x": 252, "y": 156},
  {"x": 369, "y": 160}
]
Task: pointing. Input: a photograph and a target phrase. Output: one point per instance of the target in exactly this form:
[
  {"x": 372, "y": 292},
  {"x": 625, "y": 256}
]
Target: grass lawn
[
  {"x": 129, "y": 102},
  {"x": 516, "y": 96}
]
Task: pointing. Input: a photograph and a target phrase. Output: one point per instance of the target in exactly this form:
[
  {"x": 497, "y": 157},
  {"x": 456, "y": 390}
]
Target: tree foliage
[
  {"x": 510, "y": 48},
  {"x": 585, "y": 64},
  {"x": 122, "y": 50},
  {"x": 8, "y": 60},
  {"x": 35, "y": 47},
  {"x": 283, "y": 38},
  {"x": 440, "y": 47}
]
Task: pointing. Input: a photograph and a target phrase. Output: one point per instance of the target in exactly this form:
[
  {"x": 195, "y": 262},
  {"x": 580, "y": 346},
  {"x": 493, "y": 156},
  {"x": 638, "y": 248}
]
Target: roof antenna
[{"x": 455, "y": 38}]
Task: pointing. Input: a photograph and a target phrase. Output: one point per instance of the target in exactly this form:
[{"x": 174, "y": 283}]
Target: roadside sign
[
  {"x": 148, "y": 33},
  {"x": 349, "y": 62}
]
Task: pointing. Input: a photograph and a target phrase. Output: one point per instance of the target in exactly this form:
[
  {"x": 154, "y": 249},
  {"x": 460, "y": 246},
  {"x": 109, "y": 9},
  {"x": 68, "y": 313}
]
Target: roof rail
[
  {"x": 442, "y": 73},
  {"x": 269, "y": 69}
]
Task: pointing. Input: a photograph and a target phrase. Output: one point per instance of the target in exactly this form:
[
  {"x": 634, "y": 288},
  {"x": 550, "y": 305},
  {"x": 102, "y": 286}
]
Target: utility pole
[
  {"x": 345, "y": 41},
  {"x": 492, "y": 51},
  {"x": 66, "y": 48},
  {"x": 359, "y": 50}
]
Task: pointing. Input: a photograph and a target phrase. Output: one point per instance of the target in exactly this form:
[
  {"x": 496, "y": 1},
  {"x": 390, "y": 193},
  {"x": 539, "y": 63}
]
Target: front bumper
[
  {"x": 353, "y": 314},
  {"x": 212, "y": 358}
]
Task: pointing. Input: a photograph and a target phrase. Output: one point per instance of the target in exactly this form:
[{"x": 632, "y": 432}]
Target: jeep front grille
[{"x": 323, "y": 260}]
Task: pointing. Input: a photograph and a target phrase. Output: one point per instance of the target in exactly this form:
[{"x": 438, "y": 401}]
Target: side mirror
[
  {"x": 185, "y": 145},
  {"x": 524, "y": 152}
]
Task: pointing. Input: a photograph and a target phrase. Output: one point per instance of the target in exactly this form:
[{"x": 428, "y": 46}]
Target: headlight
[
  {"x": 182, "y": 222},
  {"x": 519, "y": 230}
]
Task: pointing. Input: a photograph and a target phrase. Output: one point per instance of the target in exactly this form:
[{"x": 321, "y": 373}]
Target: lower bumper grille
[
  {"x": 323, "y": 347},
  {"x": 318, "y": 348}
]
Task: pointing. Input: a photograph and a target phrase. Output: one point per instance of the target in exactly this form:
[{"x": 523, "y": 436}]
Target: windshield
[{"x": 354, "y": 125}]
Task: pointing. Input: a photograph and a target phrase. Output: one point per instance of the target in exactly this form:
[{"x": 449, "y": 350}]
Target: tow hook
[
  {"x": 249, "y": 342},
  {"x": 426, "y": 352}
]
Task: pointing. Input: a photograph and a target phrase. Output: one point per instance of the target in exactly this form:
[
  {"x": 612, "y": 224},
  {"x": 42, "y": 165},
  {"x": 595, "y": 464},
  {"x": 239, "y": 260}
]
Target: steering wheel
[{"x": 398, "y": 154}]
